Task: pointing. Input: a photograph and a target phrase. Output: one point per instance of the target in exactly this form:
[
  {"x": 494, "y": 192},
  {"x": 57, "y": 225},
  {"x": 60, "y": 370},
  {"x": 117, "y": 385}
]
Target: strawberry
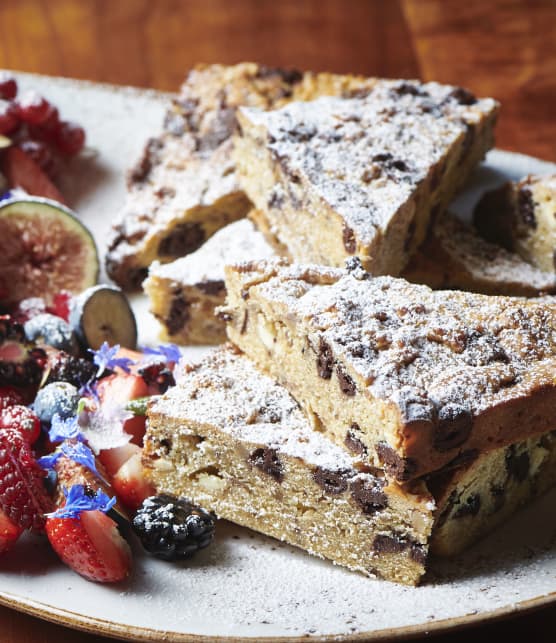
[
  {"x": 113, "y": 459},
  {"x": 9, "y": 533},
  {"x": 121, "y": 388},
  {"x": 23, "y": 497},
  {"x": 91, "y": 545},
  {"x": 21, "y": 419},
  {"x": 130, "y": 484},
  {"x": 21, "y": 171},
  {"x": 61, "y": 305}
]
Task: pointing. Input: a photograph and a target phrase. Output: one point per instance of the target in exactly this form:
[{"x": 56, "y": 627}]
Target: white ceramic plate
[{"x": 246, "y": 585}]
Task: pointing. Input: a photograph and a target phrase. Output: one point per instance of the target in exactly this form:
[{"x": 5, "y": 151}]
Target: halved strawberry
[
  {"x": 113, "y": 459},
  {"x": 130, "y": 484},
  {"x": 21, "y": 171},
  {"x": 9, "y": 533},
  {"x": 121, "y": 388},
  {"x": 91, "y": 545}
]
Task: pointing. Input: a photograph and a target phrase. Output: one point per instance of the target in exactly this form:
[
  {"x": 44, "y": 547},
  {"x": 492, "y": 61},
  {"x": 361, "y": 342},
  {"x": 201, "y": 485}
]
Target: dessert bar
[
  {"x": 415, "y": 377},
  {"x": 521, "y": 216},
  {"x": 366, "y": 175},
  {"x": 184, "y": 187},
  {"x": 183, "y": 294},
  {"x": 236, "y": 442},
  {"x": 454, "y": 256}
]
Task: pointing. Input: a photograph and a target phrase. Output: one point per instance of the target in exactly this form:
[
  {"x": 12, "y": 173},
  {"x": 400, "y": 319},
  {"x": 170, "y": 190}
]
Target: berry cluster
[
  {"x": 36, "y": 138},
  {"x": 70, "y": 452}
]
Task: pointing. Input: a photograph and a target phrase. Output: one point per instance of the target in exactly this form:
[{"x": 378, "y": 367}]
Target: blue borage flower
[
  {"x": 105, "y": 358},
  {"x": 76, "y": 451},
  {"x": 79, "y": 500},
  {"x": 6, "y": 195},
  {"x": 89, "y": 390},
  {"x": 61, "y": 430},
  {"x": 170, "y": 352}
]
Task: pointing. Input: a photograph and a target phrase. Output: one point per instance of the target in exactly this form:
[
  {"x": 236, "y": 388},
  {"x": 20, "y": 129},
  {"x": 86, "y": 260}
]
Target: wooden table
[{"x": 500, "y": 48}]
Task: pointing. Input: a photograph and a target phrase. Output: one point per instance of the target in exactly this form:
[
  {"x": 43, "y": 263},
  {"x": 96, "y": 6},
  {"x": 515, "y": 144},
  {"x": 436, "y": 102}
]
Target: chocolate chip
[
  {"x": 368, "y": 494},
  {"x": 276, "y": 200},
  {"x": 325, "y": 360},
  {"x": 468, "y": 139},
  {"x": 463, "y": 96},
  {"x": 517, "y": 465},
  {"x": 352, "y": 442},
  {"x": 149, "y": 157},
  {"x": 220, "y": 129},
  {"x": 347, "y": 385},
  {"x": 267, "y": 460},
  {"x": 348, "y": 237},
  {"x": 471, "y": 506},
  {"x": 526, "y": 207},
  {"x": 178, "y": 314},
  {"x": 402, "y": 469},
  {"x": 499, "y": 495},
  {"x": 135, "y": 277},
  {"x": 410, "y": 234},
  {"x": 211, "y": 287},
  {"x": 165, "y": 192},
  {"x": 404, "y": 88},
  {"x": 333, "y": 482},
  {"x": 289, "y": 76},
  {"x": 418, "y": 553},
  {"x": 224, "y": 316},
  {"x": 463, "y": 458},
  {"x": 383, "y": 544},
  {"x": 181, "y": 240},
  {"x": 165, "y": 445},
  {"x": 453, "y": 428},
  {"x": 355, "y": 268}
]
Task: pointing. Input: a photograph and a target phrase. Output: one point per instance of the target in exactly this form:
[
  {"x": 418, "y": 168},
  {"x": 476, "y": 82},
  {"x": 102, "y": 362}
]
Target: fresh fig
[
  {"x": 44, "y": 249},
  {"x": 103, "y": 314}
]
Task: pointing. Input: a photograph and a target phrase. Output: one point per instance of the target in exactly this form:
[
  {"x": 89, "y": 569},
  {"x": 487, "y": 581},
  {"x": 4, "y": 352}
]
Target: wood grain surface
[{"x": 500, "y": 48}]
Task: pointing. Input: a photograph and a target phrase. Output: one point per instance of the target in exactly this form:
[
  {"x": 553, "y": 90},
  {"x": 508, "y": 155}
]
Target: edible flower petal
[
  {"x": 105, "y": 358},
  {"x": 79, "y": 499}
]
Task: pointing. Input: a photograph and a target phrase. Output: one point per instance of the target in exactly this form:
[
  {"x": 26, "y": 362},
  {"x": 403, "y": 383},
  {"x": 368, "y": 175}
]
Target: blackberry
[
  {"x": 173, "y": 528},
  {"x": 67, "y": 368},
  {"x": 158, "y": 375},
  {"x": 21, "y": 363}
]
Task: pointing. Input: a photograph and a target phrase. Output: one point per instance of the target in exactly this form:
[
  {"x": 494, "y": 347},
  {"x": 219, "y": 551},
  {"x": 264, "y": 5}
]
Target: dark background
[{"x": 500, "y": 48}]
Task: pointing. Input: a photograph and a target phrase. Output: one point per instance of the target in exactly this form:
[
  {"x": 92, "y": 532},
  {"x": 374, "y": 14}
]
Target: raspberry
[
  {"x": 70, "y": 138},
  {"x": 23, "y": 497},
  {"x": 61, "y": 305},
  {"x": 22, "y": 419},
  {"x": 9, "y": 396},
  {"x": 33, "y": 108},
  {"x": 157, "y": 376},
  {"x": 9, "y": 120}
]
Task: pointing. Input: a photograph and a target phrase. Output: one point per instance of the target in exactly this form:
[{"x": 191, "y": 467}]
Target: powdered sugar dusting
[
  {"x": 234, "y": 243},
  {"x": 228, "y": 392},
  {"x": 366, "y": 156},
  {"x": 448, "y": 347}
]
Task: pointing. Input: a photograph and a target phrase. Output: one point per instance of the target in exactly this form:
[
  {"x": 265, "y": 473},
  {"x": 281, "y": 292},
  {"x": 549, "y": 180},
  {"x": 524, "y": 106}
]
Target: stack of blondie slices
[{"x": 366, "y": 419}]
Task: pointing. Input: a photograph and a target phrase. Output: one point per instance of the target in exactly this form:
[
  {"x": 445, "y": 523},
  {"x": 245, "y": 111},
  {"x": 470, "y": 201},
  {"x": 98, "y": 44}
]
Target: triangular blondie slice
[
  {"x": 417, "y": 378},
  {"x": 455, "y": 256},
  {"x": 184, "y": 187},
  {"x": 366, "y": 175},
  {"x": 521, "y": 216}
]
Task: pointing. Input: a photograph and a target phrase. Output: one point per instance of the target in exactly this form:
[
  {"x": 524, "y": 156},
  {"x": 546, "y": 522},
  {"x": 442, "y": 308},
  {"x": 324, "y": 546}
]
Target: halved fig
[
  {"x": 44, "y": 249},
  {"x": 103, "y": 314}
]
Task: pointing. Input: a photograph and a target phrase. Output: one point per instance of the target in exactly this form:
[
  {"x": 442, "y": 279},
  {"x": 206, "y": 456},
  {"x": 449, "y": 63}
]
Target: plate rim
[{"x": 93, "y": 625}]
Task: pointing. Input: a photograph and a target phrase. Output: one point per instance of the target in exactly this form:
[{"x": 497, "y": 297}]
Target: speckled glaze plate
[{"x": 247, "y": 586}]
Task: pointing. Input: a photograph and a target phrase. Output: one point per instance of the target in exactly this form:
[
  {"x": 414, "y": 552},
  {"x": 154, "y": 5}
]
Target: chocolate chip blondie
[
  {"x": 366, "y": 175},
  {"x": 236, "y": 442},
  {"x": 414, "y": 377},
  {"x": 184, "y": 187},
  {"x": 455, "y": 256},
  {"x": 183, "y": 294},
  {"x": 521, "y": 216}
]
